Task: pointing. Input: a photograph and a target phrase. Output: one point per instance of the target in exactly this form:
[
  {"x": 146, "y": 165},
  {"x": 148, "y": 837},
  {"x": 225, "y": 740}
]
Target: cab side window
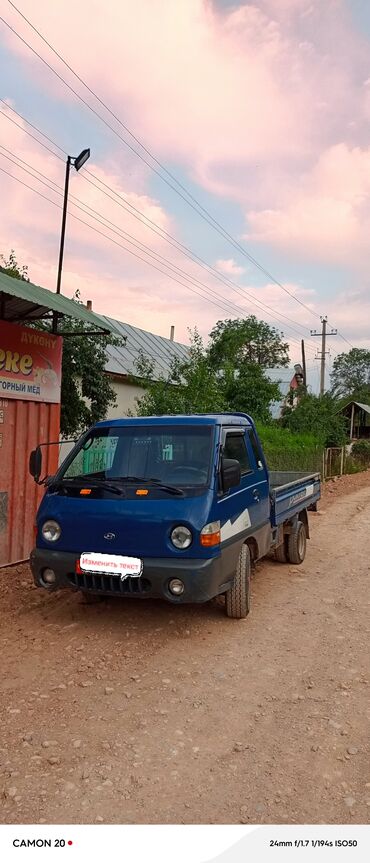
[{"x": 235, "y": 447}]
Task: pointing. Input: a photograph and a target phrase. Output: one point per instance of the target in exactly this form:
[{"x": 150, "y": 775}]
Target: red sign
[{"x": 30, "y": 364}]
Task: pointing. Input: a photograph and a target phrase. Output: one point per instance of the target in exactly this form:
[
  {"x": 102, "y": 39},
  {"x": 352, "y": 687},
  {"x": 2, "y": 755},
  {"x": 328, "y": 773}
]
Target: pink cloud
[
  {"x": 229, "y": 267},
  {"x": 326, "y": 213},
  {"x": 246, "y": 100}
]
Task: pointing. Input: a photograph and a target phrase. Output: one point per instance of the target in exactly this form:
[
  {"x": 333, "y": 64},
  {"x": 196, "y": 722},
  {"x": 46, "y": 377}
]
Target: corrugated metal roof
[
  {"x": 362, "y": 407},
  {"x": 365, "y": 408},
  {"x": 121, "y": 361},
  {"x": 22, "y": 301}
]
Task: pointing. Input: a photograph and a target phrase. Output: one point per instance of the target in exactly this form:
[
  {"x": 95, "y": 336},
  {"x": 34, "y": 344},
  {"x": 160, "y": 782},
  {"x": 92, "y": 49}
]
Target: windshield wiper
[
  {"x": 151, "y": 480},
  {"x": 85, "y": 482}
]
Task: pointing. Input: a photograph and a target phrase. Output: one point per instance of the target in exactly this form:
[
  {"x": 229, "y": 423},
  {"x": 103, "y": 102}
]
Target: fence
[
  {"x": 301, "y": 459},
  {"x": 334, "y": 461}
]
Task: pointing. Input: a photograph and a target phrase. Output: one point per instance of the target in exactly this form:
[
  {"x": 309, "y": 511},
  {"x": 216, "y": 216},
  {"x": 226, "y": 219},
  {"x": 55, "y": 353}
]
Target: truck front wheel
[
  {"x": 297, "y": 543},
  {"x": 238, "y": 597}
]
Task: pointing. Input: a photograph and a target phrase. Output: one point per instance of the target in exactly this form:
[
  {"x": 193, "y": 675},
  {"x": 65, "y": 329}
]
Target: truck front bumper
[{"x": 202, "y": 579}]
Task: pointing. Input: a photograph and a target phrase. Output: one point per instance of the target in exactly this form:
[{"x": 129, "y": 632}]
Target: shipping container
[{"x": 23, "y": 425}]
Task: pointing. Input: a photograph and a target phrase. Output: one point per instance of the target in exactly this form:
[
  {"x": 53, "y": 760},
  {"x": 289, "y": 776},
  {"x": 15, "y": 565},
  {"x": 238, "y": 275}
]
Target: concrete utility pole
[
  {"x": 304, "y": 365},
  {"x": 324, "y": 352}
]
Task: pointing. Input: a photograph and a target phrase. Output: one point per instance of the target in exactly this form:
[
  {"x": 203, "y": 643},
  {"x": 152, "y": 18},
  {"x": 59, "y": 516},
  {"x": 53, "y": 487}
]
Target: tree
[
  {"x": 351, "y": 374},
  {"x": 249, "y": 390},
  {"x": 318, "y": 414},
  {"x": 86, "y": 394},
  {"x": 12, "y": 268},
  {"x": 196, "y": 385},
  {"x": 192, "y": 386},
  {"x": 247, "y": 340}
]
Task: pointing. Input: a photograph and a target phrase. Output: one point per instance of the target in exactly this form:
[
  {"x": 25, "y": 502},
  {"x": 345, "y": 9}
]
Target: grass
[{"x": 285, "y": 450}]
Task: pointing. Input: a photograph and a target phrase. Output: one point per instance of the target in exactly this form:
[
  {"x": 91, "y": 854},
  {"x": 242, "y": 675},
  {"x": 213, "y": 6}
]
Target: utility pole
[
  {"x": 324, "y": 352},
  {"x": 304, "y": 365}
]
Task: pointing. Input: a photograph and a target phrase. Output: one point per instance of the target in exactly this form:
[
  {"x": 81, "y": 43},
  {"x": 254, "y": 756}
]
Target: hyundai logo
[{"x": 109, "y": 536}]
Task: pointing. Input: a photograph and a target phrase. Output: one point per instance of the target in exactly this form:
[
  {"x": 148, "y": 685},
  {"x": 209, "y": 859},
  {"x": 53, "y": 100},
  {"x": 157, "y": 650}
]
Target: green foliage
[
  {"x": 318, "y": 413},
  {"x": 202, "y": 385},
  {"x": 250, "y": 391},
  {"x": 351, "y": 375},
  {"x": 247, "y": 340},
  {"x": 86, "y": 392},
  {"x": 360, "y": 451},
  {"x": 285, "y": 450},
  {"x": 191, "y": 387},
  {"x": 352, "y": 466},
  {"x": 12, "y": 268}
]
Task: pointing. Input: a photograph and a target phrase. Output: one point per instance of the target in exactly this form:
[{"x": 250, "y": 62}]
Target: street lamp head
[{"x": 81, "y": 159}]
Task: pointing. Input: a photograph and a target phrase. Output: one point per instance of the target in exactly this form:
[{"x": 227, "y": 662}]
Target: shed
[{"x": 358, "y": 416}]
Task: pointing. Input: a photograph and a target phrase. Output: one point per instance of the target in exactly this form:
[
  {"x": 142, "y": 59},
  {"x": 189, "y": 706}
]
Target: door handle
[{"x": 256, "y": 494}]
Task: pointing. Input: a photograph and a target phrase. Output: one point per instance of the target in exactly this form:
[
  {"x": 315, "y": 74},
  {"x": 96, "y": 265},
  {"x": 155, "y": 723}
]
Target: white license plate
[{"x": 111, "y": 564}]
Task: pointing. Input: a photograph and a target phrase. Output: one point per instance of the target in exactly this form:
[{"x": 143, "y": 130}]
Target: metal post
[
  {"x": 62, "y": 237},
  {"x": 64, "y": 219},
  {"x": 352, "y": 420}
]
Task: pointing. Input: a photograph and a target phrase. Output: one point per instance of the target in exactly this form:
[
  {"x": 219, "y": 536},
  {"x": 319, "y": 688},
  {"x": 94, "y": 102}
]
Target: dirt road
[{"x": 139, "y": 712}]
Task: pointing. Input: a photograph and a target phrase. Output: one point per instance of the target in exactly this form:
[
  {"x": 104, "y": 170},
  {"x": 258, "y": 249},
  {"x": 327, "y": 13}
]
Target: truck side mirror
[
  {"x": 230, "y": 473},
  {"x": 35, "y": 463}
]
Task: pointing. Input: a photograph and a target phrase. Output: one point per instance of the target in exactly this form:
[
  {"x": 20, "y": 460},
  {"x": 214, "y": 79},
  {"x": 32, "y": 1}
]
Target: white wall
[{"x": 126, "y": 395}]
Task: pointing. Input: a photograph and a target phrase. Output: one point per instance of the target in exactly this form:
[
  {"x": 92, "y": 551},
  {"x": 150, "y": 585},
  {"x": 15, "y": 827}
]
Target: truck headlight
[
  {"x": 181, "y": 537},
  {"x": 51, "y": 531}
]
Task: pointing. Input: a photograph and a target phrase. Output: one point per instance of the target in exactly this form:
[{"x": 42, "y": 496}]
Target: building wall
[{"x": 126, "y": 395}]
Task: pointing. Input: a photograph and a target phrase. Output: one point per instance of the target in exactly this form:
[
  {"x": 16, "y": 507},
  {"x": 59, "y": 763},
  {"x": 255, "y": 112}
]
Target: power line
[
  {"x": 341, "y": 336},
  {"x": 160, "y": 232},
  {"x": 94, "y": 214},
  {"x": 110, "y": 225},
  {"x": 190, "y": 198},
  {"x": 220, "y": 304}
]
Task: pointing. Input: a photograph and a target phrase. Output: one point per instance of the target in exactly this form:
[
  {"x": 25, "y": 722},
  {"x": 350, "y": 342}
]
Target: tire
[
  {"x": 281, "y": 553},
  {"x": 238, "y": 597},
  {"x": 297, "y": 544}
]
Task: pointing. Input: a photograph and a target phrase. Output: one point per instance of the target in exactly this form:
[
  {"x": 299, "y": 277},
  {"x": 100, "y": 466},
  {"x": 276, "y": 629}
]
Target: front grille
[{"x": 109, "y": 583}]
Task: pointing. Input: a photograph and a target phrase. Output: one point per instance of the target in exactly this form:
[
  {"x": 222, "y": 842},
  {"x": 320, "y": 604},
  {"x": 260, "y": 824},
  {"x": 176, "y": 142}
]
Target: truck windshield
[{"x": 177, "y": 455}]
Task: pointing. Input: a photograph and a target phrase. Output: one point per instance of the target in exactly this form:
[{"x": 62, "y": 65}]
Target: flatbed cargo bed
[{"x": 288, "y": 489}]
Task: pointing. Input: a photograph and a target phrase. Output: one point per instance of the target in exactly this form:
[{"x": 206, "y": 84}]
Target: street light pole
[
  {"x": 64, "y": 219},
  {"x": 78, "y": 162}
]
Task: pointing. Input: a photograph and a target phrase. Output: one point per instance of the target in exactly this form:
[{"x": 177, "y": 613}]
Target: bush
[
  {"x": 360, "y": 452},
  {"x": 285, "y": 450}
]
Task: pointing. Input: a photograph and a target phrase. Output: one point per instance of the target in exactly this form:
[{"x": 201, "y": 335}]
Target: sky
[{"x": 251, "y": 157}]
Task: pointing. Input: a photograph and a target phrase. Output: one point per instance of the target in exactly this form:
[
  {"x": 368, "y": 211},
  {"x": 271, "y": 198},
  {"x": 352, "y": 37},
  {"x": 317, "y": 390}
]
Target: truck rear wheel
[
  {"x": 238, "y": 597},
  {"x": 297, "y": 543},
  {"x": 281, "y": 552}
]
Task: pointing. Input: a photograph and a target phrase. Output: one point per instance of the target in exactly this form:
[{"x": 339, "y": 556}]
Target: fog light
[
  {"x": 49, "y": 576},
  {"x": 176, "y": 586}
]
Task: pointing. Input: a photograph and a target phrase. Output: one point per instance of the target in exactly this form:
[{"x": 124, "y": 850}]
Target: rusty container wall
[{"x": 23, "y": 425}]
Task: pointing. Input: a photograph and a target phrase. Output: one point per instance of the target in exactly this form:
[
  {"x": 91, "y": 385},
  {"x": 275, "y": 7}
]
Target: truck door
[
  {"x": 261, "y": 492},
  {"x": 245, "y": 510}
]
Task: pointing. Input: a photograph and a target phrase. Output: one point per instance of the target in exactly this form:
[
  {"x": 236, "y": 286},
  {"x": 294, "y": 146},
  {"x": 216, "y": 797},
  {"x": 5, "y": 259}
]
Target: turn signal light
[
  {"x": 210, "y": 534},
  {"x": 142, "y": 491}
]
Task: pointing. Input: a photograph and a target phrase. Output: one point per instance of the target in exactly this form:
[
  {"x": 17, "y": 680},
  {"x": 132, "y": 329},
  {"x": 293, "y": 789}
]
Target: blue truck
[{"x": 172, "y": 507}]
